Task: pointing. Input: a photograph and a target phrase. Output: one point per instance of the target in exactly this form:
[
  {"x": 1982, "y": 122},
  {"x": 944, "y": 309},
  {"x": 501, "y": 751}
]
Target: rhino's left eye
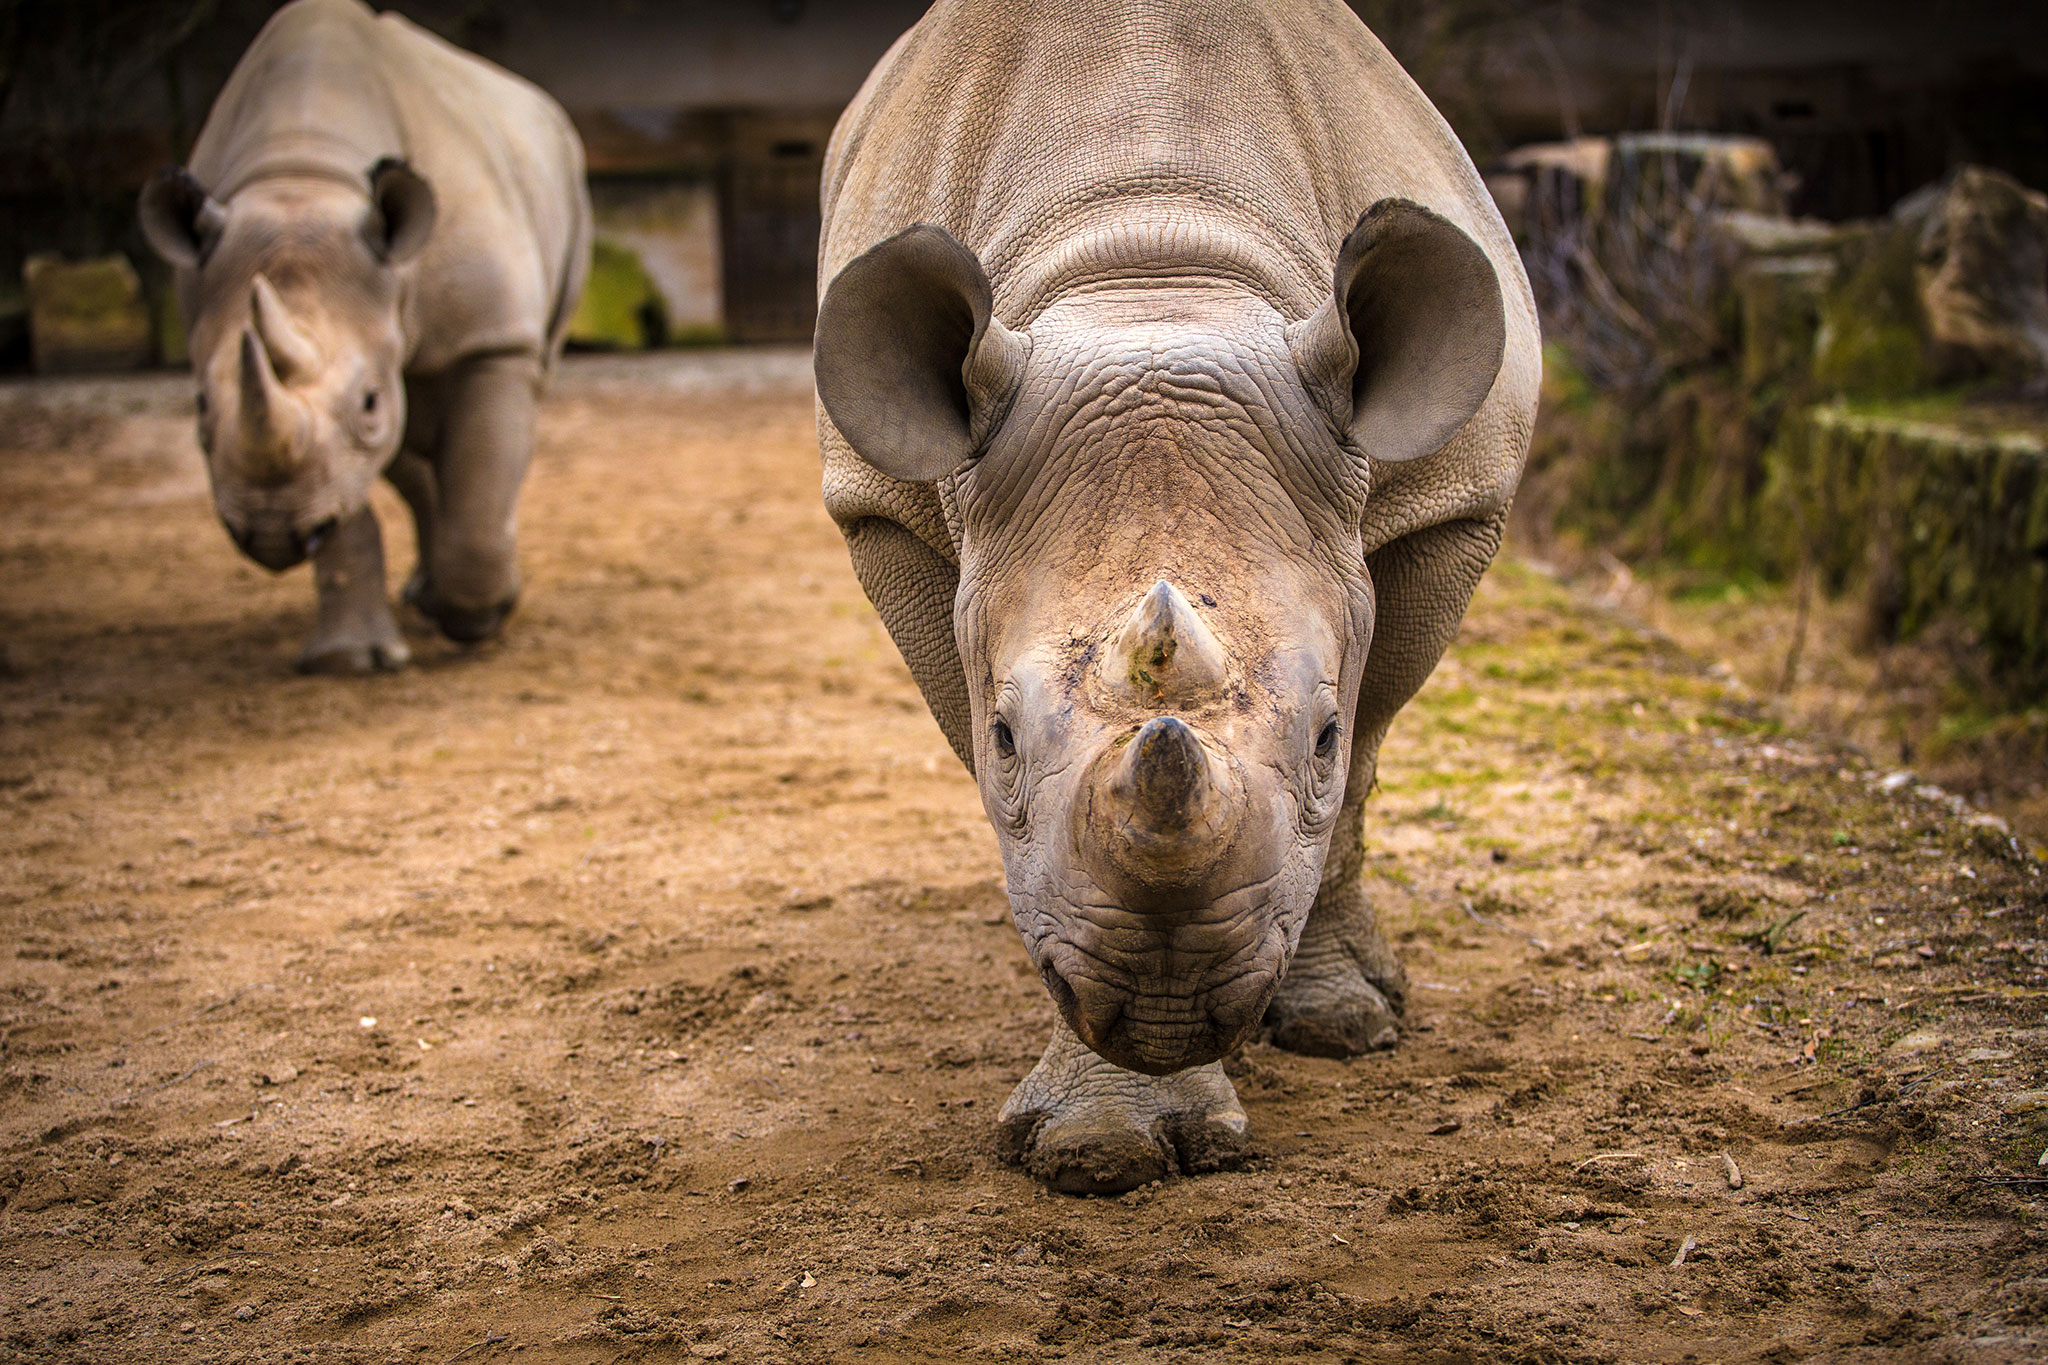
[
  {"x": 1326, "y": 742},
  {"x": 1006, "y": 743},
  {"x": 370, "y": 401}
]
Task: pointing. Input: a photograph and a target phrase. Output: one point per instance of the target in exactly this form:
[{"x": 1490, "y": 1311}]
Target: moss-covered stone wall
[{"x": 1926, "y": 519}]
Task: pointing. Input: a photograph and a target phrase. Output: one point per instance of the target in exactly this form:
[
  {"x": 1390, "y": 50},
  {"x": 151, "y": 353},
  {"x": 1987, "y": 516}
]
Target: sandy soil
[{"x": 641, "y": 988}]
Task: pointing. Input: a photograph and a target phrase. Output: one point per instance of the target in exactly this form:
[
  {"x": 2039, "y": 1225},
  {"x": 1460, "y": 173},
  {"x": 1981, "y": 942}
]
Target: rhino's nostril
[
  {"x": 318, "y": 535},
  {"x": 1092, "y": 1011},
  {"x": 1062, "y": 993}
]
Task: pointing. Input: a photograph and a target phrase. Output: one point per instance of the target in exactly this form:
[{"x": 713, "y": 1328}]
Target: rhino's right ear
[
  {"x": 180, "y": 220},
  {"x": 402, "y": 211},
  {"x": 1407, "y": 347},
  {"x": 912, "y": 366}
]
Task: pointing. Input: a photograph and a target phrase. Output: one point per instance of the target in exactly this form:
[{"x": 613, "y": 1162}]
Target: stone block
[{"x": 85, "y": 316}]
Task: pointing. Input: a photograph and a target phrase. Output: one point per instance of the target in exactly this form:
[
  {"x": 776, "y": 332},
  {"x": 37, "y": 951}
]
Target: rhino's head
[
  {"x": 293, "y": 309},
  {"x": 1164, "y": 607}
]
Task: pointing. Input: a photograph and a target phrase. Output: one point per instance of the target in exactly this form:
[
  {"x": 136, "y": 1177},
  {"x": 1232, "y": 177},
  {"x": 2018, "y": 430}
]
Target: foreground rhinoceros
[
  {"x": 1175, "y": 372},
  {"x": 379, "y": 243}
]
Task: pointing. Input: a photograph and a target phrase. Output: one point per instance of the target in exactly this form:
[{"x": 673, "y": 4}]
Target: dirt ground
[{"x": 640, "y": 988}]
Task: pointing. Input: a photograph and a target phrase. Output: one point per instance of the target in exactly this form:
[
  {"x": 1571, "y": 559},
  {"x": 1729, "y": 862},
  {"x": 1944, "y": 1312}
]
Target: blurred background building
[{"x": 706, "y": 120}]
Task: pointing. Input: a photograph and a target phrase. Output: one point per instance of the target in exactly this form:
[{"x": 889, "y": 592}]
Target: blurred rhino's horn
[
  {"x": 292, "y": 353},
  {"x": 268, "y": 426},
  {"x": 1165, "y": 651}
]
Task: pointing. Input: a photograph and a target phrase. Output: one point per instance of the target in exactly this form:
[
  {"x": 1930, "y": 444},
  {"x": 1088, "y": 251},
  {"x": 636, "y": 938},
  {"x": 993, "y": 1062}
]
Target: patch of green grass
[{"x": 1700, "y": 975}]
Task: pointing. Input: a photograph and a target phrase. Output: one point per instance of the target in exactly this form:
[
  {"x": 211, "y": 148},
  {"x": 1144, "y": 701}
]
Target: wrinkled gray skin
[
  {"x": 1175, "y": 373},
  {"x": 379, "y": 242}
]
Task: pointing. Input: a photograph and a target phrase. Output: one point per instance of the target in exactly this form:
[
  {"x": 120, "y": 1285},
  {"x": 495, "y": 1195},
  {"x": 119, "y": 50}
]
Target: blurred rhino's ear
[
  {"x": 401, "y": 216},
  {"x": 180, "y": 220},
  {"x": 1407, "y": 347},
  {"x": 912, "y": 366}
]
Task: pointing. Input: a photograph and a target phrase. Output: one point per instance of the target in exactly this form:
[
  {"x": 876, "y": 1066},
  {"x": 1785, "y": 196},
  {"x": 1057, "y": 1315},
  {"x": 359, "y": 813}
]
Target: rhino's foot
[
  {"x": 464, "y": 625},
  {"x": 343, "y": 655},
  {"x": 1084, "y": 1126},
  {"x": 1343, "y": 993}
]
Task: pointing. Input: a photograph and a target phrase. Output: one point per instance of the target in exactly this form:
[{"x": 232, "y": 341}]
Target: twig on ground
[
  {"x": 492, "y": 1340},
  {"x": 1790, "y": 676},
  {"x": 1536, "y": 942},
  {"x": 1608, "y": 1156},
  {"x": 165, "y": 1085},
  {"x": 1863, "y": 1103},
  {"x": 223, "y": 1003},
  {"x": 1684, "y": 1250},
  {"x": 1732, "y": 1171},
  {"x": 196, "y": 1272}
]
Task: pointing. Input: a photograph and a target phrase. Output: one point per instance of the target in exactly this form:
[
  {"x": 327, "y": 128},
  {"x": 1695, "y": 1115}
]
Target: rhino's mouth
[{"x": 1160, "y": 1027}]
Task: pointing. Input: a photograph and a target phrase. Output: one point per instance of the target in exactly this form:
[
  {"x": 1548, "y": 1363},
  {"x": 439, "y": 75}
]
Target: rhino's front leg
[
  {"x": 1345, "y": 989},
  {"x": 472, "y": 571},
  {"x": 356, "y": 632},
  {"x": 1084, "y": 1126},
  {"x": 413, "y": 477}
]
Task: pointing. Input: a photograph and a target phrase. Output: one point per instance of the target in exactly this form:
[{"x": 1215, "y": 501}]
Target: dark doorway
[{"x": 770, "y": 227}]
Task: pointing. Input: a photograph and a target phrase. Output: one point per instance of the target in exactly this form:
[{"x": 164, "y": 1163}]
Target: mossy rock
[
  {"x": 620, "y": 310},
  {"x": 1927, "y": 521},
  {"x": 85, "y": 316},
  {"x": 1871, "y": 335}
]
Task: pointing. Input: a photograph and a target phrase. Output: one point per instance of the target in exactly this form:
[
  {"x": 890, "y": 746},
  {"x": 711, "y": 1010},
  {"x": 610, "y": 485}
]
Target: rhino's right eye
[{"x": 1006, "y": 743}]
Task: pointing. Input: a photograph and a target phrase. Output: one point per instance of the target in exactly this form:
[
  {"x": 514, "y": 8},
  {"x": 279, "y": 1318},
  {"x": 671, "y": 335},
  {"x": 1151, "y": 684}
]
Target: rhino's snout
[{"x": 279, "y": 547}]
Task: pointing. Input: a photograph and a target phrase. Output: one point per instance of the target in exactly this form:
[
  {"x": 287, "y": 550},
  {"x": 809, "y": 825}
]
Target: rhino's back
[
  {"x": 329, "y": 87},
  {"x": 1064, "y": 138}
]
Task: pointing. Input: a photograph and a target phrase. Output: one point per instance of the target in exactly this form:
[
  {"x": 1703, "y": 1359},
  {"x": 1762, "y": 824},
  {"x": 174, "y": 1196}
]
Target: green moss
[
  {"x": 1871, "y": 328},
  {"x": 620, "y": 308}
]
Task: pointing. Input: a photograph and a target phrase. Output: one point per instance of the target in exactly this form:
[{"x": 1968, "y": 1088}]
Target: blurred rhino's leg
[
  {"x": 1085, "y": 1126},
  {"x": 356, "y": 632},
  {"x": 472, "y": 579},
  {"x": 1344, "y": 991},
  {"x": 413, "y": 477}
]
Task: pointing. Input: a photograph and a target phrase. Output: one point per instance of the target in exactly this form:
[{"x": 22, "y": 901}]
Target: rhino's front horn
[
  {"x": 1161, "y": 815},
  {"x": 1165, "y": 652},
  {"x": 269, "y": 417},
  {"x": 292, "y": 353}
]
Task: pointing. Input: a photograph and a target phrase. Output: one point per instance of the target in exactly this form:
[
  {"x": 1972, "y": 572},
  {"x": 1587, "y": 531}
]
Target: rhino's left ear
[
  {"x": 401, "y": 215},
  {"x": 912, "y": 366},
  {"x": 1407, "y": 347},
  {"x": 180, "y": 220}
]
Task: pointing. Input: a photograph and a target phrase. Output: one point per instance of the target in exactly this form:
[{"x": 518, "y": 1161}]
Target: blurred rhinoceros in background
[
  {"x": 1176, "y": 372},
  {"x": 379, "y": 241}
]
